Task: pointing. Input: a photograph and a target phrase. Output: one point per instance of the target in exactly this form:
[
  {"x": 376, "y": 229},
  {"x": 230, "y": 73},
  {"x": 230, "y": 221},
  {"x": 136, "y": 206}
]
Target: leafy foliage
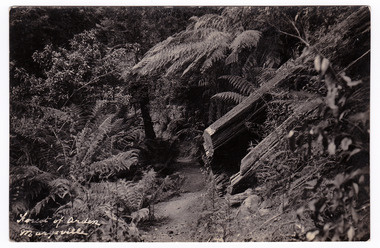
[
  {"x": 74, "y": 71},
  {"x": 85, "y": 157}
]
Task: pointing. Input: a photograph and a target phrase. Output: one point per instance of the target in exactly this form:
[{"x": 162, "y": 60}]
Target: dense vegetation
[{"x": 105, "y": 101}]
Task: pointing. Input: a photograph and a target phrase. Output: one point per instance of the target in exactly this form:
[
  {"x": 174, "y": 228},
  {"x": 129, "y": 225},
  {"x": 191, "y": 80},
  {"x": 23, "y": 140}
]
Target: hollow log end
[{"x": 241, "y": 182}]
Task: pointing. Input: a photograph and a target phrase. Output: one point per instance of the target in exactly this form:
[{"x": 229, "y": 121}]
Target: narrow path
[{"x": 180, "y": 213}]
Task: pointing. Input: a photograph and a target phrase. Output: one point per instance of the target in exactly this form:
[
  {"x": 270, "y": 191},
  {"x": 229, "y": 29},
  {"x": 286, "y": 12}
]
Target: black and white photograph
[{"x": 189, "y": 123}]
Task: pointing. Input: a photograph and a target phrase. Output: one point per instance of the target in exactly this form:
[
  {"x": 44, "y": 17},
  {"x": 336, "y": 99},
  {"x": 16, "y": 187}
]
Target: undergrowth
[{"x": 105, "y": 173}]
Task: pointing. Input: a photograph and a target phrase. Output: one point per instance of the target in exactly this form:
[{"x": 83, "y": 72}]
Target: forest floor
[
  {"x": 182, "y": 218},
  {"x": 178, "y": 215}
]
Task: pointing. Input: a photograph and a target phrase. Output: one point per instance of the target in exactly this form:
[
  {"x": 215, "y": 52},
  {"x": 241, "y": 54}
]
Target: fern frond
[
  {"x": 56, "y": 113},
  {"x": 232, "y": 58},
  {"x": 210, "y": 49},
  {"x": 120, "y": 162},
  {"x": 82, "y": 143},
  {"x": 233, "y": 97},
  {"x": 29, "y": 173},
  {"x": 27, "y": 109},
  {"x": 239, "y": 83},
  {"x": 249, "y": 64},
  {"x": 135, "y": 135},
  {"x": 184, "y": 61},
  {"x": 60, "y": 187},
  {"x": 145, "y": 185},
  {"x": 211, "y": 21},
  {"x": 182, "y": 57},
  {"x": 106, "y": 125},
  {"x": 117, "y": 126},
  {"x": 100, "y": 113},
  {"x": 237, "y": 14},
  {"x": 102, "y": 107},
  {"x": 247, "y": 39},
  {"x": 148, "y": 179},
  {"x": 78, "y": 114},
  {"x": 217, "y": 55},
  {"x": 91, "y": 143}
]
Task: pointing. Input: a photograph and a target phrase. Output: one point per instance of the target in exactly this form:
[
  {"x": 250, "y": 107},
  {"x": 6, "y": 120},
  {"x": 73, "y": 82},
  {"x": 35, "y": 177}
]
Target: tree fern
[{"x": 205, "y": 41}]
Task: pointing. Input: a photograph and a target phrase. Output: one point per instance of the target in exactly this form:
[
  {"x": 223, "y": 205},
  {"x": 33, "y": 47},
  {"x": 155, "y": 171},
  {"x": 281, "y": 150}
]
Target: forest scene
[{"x": 191, "y": 124}]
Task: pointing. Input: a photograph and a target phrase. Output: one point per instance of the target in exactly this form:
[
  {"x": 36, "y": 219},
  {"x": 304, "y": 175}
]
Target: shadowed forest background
[{"x": 255, "y": 118}]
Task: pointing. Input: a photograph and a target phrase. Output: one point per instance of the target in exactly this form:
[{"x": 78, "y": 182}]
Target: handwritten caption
[{"x": 56, "y": 223}]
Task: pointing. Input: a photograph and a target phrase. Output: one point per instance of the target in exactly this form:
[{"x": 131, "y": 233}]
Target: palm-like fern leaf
[
  {"x": 229, "y": 96},
  {"x": 240, "y": 84},
  {"x": 183, "y": 57},
  {"x": 247, "y": 39},
  {"x": 217, "y": 55}
]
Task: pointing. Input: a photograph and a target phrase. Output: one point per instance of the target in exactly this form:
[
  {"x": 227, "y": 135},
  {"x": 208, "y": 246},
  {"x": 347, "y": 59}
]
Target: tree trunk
[{"x": 148, "y": 124}]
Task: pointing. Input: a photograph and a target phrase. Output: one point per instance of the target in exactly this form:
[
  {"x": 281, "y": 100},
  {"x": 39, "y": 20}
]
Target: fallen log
[
  {"x": 232, "y": 123},
  {"x": 268, "y": 146}
]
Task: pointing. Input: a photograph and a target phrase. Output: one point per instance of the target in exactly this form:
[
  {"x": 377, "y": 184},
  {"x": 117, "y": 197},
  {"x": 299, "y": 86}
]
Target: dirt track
[{"x": 178, "y": 214}]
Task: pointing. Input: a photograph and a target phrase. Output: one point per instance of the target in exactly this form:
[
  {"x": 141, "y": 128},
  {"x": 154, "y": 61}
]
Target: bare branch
[{"x": 353, "y": 62}]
